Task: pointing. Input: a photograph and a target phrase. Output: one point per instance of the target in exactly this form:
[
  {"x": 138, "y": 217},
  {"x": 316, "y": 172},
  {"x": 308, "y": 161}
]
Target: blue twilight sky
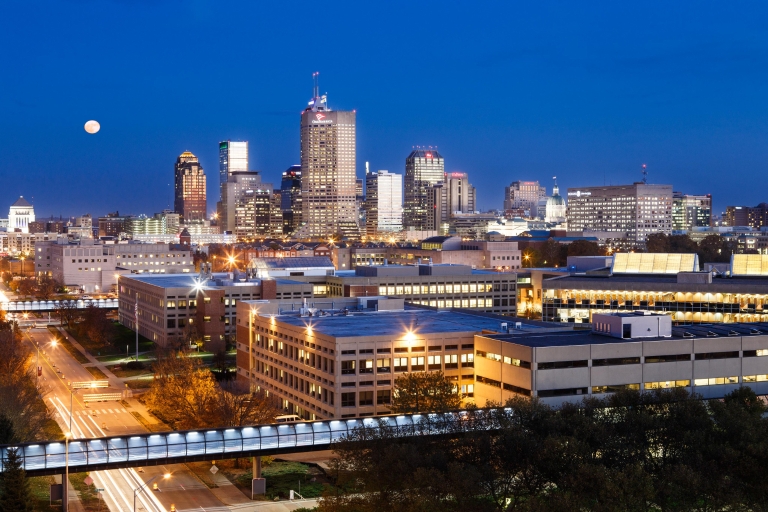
[{"x": 585, "y": 91}]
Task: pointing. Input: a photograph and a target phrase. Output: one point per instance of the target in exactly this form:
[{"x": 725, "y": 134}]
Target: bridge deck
[{"x": 96, "y": 454}]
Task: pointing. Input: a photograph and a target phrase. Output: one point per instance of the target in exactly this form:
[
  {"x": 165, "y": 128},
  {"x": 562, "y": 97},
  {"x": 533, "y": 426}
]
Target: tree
[
  {"x": 183, "y": 392},
  {"x": 584, "y": 248},
  {"x": 424, "y": 392},
  {"x": 19, "y": 393},
  {"x": 657, "y": 242},
  {"x": 682, "y": 244},
  {"x": 96, "y": 325},
  {"x": 553, "y": 254},
  {"x": 68, "y": 312},
  {"x": 46, "y": 288},
  {"x": 15, "y": 495},
  {"x": 7, "y": 434},
  {"x": 715, "y": 249},
  {"x": 236, "y": 406},
  {"x": 531, "y": 258},
  {"x": 26, "y": 286}
]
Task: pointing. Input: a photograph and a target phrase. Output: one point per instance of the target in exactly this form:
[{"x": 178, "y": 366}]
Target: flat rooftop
[
  {"x": 671, "y": 279},
  {"x": 188, "y": 280},
  {"x": 570, "y": 338},
  {"x": 395, "y": 323}
]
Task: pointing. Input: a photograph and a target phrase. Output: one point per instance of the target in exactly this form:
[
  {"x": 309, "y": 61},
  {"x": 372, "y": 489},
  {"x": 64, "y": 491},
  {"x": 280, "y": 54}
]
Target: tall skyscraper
[
  {"x": 631, "y": 211},
  {"x": 524, "y": 195},
  {"x": 327, "y": 170},
  {"x": 690, "y": 211},
  {"x": 233, "y": 157},
  {"x": 290, "y": 199},
  {"x": 383, "y": 202},
  {"x": 423, "y": 169},
  {"x": 232, "y": 191},
  {"x": 454, "y": 195},
  {"x": 190, "y": 196}
]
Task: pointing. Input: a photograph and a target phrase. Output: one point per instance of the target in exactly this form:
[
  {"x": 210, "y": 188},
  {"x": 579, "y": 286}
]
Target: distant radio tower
[{"x": 645, "y": 174}]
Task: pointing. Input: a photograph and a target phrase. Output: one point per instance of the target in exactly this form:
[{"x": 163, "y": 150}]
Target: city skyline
[{"x": 685, "y": 101}]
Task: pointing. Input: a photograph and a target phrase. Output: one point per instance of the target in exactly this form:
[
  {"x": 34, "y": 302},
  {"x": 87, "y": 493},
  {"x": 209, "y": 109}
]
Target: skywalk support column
[{"x": 258, "y": 484}]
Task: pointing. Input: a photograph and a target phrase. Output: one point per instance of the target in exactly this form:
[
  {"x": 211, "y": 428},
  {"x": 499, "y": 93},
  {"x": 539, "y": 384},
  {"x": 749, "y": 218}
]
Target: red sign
[{"x": 319, "y": 116}]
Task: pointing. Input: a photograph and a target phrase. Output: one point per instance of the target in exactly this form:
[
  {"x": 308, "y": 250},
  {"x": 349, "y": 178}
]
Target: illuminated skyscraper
[
  {"x": 290, "y": 199},
  {"x": 233, "y": 157},
  {"x": 423, "y": 169},
  {"x": 327, "y": 171},
  {"x": 190, "y": 197},
  {"x": 383, "y": 202}
]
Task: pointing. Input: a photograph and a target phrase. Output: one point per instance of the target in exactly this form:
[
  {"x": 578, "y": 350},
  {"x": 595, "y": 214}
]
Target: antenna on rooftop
[
  {"x": 316, "y": 85},
  {"x": 645, "y": 174}
]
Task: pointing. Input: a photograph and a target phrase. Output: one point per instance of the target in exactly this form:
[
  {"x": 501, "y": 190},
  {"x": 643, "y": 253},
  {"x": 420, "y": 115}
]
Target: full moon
[{"x": 92, "y": 126}]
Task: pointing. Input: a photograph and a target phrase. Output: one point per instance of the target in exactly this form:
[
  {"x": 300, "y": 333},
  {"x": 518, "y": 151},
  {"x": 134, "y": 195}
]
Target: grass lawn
[
  {"x": 89, "y": 498},
  {"x": 121, "y": 371},
  {"x": 139, "y": 383},
  {"x": 116, "y": 346},
  {"x": 282, "y": 477},
  {"x": 97, "y": 374},
  {"x": 39, "y": 487}
]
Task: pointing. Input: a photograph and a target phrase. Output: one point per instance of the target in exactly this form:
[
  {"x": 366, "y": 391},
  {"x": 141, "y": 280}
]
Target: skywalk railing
[{"x": 103, "y": 453}]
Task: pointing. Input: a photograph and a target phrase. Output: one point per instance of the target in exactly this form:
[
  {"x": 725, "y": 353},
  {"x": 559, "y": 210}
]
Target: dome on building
[{"x": 555, "y": 209}]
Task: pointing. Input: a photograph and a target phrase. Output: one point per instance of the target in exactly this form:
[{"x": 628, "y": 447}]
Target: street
[{"x": 99, "y": 419}]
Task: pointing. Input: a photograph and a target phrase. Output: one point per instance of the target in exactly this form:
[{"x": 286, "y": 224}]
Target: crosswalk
[{"x": 91, "y": 411}]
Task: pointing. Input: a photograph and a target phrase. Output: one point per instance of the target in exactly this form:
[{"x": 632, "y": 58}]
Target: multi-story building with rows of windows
[
  {"x": 342, "y": 360},
  {"x": 632, "y": 212}
]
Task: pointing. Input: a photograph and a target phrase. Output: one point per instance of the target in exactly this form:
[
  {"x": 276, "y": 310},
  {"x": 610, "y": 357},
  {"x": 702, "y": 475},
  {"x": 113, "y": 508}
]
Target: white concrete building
[
  {"x": 20, "y": 215},
  {"x": 93, "y": 267},
  {"x": 383, "y": 202}
]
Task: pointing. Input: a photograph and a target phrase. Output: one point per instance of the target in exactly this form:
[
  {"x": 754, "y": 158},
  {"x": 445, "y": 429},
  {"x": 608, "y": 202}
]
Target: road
[{"x": 99, "y": 419}]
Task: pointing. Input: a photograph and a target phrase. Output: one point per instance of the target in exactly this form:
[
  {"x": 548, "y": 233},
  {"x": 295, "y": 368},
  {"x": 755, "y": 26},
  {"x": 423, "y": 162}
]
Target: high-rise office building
[
  {"x": 383, "y": 202},
  {"x": 454, "y": 195},
  {"x": 233, "y": 157},
  {"x": 423, "y": 169},
  {"x": 690, "y": 211},
  {"x": 190, "y": 196},
  {"x": 231, "y": 192},
  {"x": 327, "y": 171},
  {"x": 524, "y": 195},
  {"x": 253, "y": 213},
  {"x": 754, "y": 216},
  {"x": 631, "y": 211},
  {"x": 290, "y": 199}
]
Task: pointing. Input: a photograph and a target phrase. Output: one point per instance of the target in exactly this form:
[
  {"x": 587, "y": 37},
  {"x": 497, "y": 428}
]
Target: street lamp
[
  {"x": 65, "y": 483},
  {"x": 136, "y": 492}
]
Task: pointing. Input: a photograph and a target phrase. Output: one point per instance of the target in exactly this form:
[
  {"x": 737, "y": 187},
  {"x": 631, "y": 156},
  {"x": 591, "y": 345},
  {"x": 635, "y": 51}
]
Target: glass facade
[
  {"x": 190, "y": 195},
  {"x": 383, "y": 202},
  {"x": 423, "y": 169},
  {"x": 233, "y": 157}
]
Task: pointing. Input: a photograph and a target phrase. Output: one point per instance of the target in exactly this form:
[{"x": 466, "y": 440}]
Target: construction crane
[{"x": 644, "y": 170}]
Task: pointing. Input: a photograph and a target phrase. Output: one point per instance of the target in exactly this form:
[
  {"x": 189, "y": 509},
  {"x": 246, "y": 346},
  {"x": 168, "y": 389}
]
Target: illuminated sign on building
[{"x": 579, "y": 193}]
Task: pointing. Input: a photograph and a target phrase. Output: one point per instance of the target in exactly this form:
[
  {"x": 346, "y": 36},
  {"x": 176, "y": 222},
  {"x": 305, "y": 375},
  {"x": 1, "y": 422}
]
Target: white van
[{"x": 288, "y": 418}]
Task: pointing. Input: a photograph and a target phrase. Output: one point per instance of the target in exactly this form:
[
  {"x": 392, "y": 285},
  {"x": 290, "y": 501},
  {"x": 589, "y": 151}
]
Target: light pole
[
  {"x": 65, "y": 483},
  {"x": 137, "y": 491}
]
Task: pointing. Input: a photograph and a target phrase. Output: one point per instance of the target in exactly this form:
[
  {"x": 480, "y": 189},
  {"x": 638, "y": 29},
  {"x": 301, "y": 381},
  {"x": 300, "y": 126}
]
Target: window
[
  {"x": 417, "y": 364},
  {"x": 383, "y": 351},
  {"x": 347, "y": 367},
  {"x": 366, "y": 398},
  {"x": 552, "y": 365},
  {"x": 401, "y": 364},
  {"x": 616, "y": 361},
  {"x": 756, "y": 353},
  {"x": 754, "y": 378},
  {"x": 383, "y": 382},
  {"x": 348, "y": 352},
  {"x": 366, "y": 366},
  {"x": 562, "y": 392},
  {"x": 433, "y": 362},
  {"x": 668, "y": 358},
  {"x": 489, "y": 382},
  {"x": 348, "y": 399},
  {"x": 614, "y": 388},
  {"x": 383, "y": 365},
  {"x": 717, "y": 355},
  {"x": 399, "y": 350},
  {"x": 451, "y": 361},
  {"x": 468, "y": 360},
  {"x": 517, "y": 389},
  {"x": 383, "y": 396},
  {"x": 714, "y": 381},
  {"x": 516, "y": 362},
  {"x": 171, "y": 304},
  {"x": 417, "y": 349},
  {"x": 668, "y": 384}
]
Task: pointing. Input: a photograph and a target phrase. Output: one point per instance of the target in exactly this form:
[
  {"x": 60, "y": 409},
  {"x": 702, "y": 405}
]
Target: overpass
[
  {"x": 160, "y": 448},
  {"x": 21, "y": 306}
]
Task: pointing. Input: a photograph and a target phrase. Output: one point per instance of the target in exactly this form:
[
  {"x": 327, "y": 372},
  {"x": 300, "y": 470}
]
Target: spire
[
  {"x": 555, "y": 188},
  {"x": 317, "y": 102}
]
